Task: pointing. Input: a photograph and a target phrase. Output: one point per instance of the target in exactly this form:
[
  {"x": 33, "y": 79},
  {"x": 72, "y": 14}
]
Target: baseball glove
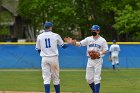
[
  {"x": 110, "y": 59},
  {"x": 94, "y": 54}
]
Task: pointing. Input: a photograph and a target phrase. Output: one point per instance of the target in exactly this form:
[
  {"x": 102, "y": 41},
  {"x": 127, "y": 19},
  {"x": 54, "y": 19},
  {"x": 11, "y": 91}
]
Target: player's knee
[
  {"x": 46, "y": 82},
  {"x": 96, "y": 82},
  {"x": 56, "y": 82},
  {"x": 89, "y": 81}
]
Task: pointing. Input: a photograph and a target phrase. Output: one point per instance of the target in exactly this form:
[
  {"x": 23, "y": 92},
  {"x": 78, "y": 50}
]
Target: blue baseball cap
[
  {"x": 95, "y": 27},
  {"x": 48, "y": 24},
  {"x": 114, "y": 40}
]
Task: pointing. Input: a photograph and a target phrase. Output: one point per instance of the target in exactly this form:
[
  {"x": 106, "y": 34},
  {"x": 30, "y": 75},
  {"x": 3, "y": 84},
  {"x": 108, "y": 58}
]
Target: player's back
[
  {"x": 48, "y": 43},
  {"x": 114, "y": 48}
]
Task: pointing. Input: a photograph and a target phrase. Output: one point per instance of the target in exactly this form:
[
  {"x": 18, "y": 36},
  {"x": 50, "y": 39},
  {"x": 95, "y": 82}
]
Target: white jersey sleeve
[
  {"x": 105, "y": 45},
  {"x": 38, "y": 47},
  {"x": 60, "y": 41},
  {"x": 84, "y": 42}
]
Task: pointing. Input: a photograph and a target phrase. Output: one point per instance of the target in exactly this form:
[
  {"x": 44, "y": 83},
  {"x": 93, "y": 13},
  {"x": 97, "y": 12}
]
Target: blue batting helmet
[
  {"x": 95, "y": 27},
  {"x": 48, "y": 24}
]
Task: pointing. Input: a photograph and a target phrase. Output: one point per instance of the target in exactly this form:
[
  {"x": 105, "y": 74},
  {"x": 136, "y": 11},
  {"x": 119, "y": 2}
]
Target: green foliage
[
  {"x": 6, "y": 17},
  {"x": 127, "y": 20},
  {"x": 39, "y": 11},
  {"x": 114, "y": 16},
  {"x": 136, "y": 36},
  {"x": 4, "y": 30},
  {"x": 126, "y": 15}
]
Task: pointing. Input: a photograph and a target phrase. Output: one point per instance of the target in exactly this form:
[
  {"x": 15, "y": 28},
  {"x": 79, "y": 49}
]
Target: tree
[
  {"x": 126, "y": 17},
  {"x": 117, "y": 18},
  {"x": 128, "y": 22},
  {"x": 36, "y": 12}
]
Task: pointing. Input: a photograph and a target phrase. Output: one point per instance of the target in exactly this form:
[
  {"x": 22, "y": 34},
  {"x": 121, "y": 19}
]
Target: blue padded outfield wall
[{"x": 25, "y": 56}]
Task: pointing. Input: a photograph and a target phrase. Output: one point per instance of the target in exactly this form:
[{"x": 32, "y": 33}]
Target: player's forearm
[
  {"x": 75, "y": 43},
  {"x": 103, "y": 52}
]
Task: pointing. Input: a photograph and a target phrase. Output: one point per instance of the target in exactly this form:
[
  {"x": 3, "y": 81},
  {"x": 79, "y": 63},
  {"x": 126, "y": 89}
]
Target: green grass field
[{"x": 122, "y": 81}]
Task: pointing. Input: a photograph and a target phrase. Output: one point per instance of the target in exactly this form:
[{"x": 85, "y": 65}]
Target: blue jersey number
[
  {"x": 115, "y": 48},
  {"x": 47, "y": 41}
]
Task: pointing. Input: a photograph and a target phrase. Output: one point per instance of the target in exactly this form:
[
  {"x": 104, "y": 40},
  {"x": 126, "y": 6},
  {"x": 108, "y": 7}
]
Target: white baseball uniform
[
  {"x": 94, "y": 66},
  {"x": 47, "y": 42},
  {"x": 114, "y": 49}
]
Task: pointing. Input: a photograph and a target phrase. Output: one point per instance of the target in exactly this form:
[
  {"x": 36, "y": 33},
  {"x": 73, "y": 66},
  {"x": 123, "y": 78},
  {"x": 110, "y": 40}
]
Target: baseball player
[
  {"x": 114, "y": 52},
  {"x": 94, "y": 66},
  {"x": 46, "y": 45}
]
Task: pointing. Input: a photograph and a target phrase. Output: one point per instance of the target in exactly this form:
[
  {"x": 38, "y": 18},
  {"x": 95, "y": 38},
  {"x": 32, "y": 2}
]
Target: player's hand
[{"x": 70, "y": 40}]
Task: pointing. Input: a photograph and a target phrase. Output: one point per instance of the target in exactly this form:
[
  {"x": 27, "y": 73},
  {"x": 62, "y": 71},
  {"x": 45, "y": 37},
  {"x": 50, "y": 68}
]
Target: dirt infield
[{"x": 30, "y": 92}]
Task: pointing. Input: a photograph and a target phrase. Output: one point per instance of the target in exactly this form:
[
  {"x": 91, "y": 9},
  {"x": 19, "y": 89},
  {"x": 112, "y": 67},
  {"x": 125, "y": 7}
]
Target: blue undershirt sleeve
[{"x": 65, "y": 46}]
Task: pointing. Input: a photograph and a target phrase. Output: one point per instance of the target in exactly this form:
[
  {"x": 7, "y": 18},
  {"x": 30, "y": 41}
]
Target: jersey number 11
[{"x": 48, "y": 44}]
